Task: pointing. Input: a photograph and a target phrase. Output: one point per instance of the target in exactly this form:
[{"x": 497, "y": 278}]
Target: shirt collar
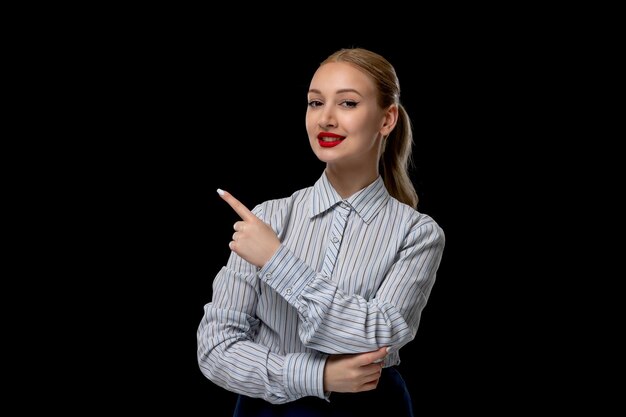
[{"x": 366, "y": 202}]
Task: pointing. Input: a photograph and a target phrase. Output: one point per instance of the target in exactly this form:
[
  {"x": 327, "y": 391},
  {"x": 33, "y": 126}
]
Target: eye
[
  {"x": 349, "y": 104},
  {"x": 315, "y": 103}
]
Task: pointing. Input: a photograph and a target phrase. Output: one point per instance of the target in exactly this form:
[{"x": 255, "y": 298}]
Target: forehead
[{"x": 335, "y": 76}]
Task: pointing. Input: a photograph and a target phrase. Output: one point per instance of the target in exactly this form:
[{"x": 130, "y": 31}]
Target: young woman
[{"x": 324, "y": 287}]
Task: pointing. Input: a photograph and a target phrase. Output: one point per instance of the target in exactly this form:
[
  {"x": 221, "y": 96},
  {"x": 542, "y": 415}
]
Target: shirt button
[
  {"x": 335, "y": 239},
  {"x": 268, "y": 275},
  {"x": 288, "y": 291}
]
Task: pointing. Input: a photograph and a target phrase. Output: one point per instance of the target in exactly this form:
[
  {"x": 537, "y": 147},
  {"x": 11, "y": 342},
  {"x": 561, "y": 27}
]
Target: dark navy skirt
[{"x": 391, "y": 395}]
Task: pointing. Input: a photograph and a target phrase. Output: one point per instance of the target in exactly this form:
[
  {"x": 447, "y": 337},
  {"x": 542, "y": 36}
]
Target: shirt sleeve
[
  {"x": 228, "y": 354},
  {"x": 335, "y": 322}
]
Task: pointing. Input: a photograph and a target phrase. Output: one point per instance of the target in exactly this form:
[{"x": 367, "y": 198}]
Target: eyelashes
[{"x": 350, "y": 104}]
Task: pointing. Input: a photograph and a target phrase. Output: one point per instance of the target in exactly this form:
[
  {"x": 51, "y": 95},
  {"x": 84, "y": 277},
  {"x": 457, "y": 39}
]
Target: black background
[{"x": 189, "y": 114}]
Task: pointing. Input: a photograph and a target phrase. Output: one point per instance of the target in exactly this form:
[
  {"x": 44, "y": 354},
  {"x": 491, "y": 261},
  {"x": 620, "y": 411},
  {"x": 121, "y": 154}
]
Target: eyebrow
[{"x": 343, "y": 90}]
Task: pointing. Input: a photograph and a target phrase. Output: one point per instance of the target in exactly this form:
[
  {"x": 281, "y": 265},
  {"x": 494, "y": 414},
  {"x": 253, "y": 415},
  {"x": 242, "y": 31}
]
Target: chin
[{"x": 323, "y": 158}]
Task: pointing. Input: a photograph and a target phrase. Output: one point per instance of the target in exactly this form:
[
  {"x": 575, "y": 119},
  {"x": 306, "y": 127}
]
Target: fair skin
[{"x": 341, "y": 103}]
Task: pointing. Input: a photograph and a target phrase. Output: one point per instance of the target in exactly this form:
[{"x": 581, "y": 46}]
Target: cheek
[
  {"x": 310, "y": 123},
  {"x": 373, "y": 123},
  {"x": 357, "y": 124}
]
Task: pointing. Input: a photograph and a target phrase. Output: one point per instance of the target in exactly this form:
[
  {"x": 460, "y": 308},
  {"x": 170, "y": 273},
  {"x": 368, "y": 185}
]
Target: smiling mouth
[
  {"x": 330, "y": 138},
  {"x": 327, "y": 138},
  {"x": 329, "y": 142}
]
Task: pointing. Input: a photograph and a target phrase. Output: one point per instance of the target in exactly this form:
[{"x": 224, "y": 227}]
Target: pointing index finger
[{"x": 236, "y": 205}]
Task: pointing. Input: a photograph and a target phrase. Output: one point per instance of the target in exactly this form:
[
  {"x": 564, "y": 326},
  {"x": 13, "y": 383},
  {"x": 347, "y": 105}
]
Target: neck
[{"x": 349, "y": 180}]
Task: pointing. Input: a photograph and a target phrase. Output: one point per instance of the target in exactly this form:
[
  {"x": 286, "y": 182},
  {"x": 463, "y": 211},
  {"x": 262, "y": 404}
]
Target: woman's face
[{"x": 343, "y": 120}]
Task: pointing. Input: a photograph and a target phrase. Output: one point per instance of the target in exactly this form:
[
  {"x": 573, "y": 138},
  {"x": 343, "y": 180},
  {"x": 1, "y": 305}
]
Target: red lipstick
[{"x": 323, "y": 137}]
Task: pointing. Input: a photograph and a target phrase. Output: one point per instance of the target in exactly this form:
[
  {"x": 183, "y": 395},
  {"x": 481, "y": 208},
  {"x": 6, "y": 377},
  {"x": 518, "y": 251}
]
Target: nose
[{"x": 327, "y": 118}]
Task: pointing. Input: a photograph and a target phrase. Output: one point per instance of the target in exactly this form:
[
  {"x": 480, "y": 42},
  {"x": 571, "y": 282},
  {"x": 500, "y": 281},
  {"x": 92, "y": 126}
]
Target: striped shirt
[{"x": 349, "y": 276}]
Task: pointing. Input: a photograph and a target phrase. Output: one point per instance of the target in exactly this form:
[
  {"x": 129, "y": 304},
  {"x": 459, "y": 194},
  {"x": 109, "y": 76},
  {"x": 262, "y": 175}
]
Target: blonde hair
[{"x": 396, "y": 157}]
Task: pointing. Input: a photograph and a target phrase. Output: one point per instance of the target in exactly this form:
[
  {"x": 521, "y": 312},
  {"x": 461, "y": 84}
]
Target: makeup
[{"x": 329, "y": 140}]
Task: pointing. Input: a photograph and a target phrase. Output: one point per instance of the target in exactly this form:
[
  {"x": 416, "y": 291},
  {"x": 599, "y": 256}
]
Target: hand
[
  {"x": 354, "y": 373},
  {"x": 253, "y": 240}
]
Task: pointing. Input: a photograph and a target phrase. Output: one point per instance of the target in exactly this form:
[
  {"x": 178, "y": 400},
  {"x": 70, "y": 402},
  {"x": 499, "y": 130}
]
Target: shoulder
[{"x": 418, "y": 222}]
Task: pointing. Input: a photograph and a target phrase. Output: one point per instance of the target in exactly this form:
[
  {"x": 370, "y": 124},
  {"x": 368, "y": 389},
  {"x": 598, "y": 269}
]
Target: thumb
[{"x": 376, "y": 356}]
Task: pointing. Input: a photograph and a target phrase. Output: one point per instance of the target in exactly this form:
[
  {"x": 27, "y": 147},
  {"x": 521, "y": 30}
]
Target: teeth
[{"x": 328, "y": 139}]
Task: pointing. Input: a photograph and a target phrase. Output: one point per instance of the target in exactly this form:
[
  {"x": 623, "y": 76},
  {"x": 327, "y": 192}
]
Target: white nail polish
[
  {"x": 388, "y": 349},
  {"x": 220, "y": 191}
]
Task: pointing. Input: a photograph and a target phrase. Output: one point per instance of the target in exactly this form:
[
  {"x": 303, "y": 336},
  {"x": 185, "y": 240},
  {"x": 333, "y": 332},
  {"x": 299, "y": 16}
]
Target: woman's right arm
[{"x": 228, "y": 355}]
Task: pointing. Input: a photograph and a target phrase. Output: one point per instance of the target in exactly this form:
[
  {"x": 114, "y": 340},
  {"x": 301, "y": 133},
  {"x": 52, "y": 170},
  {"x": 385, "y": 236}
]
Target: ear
[{"x": 390, "y": 120}]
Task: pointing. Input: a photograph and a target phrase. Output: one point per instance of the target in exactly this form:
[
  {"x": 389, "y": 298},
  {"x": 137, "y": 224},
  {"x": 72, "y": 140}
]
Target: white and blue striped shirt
[{"x": 350, "y": 276}]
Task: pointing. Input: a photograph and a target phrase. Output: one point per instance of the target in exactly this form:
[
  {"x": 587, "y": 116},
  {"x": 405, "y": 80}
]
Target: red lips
[{"x": 327, "y": 143}]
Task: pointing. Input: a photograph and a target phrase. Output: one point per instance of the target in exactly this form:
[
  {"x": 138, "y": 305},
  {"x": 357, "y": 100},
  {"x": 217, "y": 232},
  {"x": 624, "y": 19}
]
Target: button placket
[{"x": 340, "y": 220}]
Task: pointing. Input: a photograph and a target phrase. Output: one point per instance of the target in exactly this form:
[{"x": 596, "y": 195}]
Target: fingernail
[
  {"x": 220, "y": 191},
  {"x": 389, "y": 349}
]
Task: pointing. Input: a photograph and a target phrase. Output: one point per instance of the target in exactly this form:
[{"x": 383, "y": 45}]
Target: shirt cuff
[
  {"x": 303, "y": 375},
  {"x": 286, "y": 274}
]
